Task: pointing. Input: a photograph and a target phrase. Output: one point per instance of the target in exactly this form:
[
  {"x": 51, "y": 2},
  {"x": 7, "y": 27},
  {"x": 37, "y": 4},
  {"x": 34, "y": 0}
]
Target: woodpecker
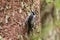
[{"x": 29, "y": 20}]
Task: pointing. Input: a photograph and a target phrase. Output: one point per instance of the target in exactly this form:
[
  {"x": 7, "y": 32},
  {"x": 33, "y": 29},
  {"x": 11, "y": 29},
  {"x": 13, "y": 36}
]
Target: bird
[{"x": 28, "y": 22}]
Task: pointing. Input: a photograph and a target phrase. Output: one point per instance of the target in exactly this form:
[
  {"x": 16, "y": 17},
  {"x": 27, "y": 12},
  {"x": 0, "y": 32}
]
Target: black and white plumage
[{"x": 28, "y": 22}]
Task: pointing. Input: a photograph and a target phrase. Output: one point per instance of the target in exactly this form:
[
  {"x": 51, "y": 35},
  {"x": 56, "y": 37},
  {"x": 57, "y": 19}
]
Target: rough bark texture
[{"x": 12, "y": 18}]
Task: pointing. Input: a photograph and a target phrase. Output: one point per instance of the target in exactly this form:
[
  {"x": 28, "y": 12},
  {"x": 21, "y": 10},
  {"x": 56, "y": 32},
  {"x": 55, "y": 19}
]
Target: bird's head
[{"x": 33, "y": 12}]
